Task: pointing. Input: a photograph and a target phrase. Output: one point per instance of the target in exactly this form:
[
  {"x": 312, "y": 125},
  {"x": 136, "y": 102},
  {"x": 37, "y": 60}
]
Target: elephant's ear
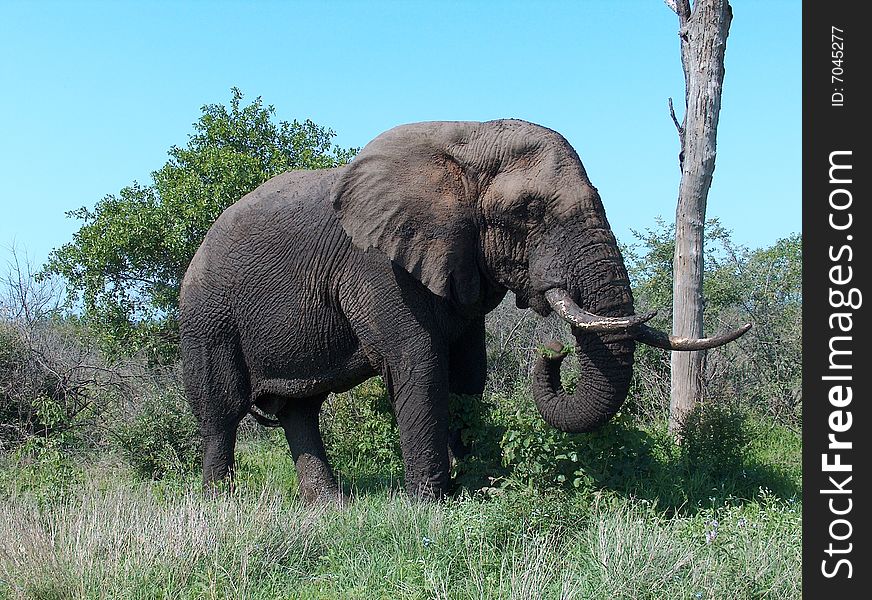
[{"x": 407, "y": 195}]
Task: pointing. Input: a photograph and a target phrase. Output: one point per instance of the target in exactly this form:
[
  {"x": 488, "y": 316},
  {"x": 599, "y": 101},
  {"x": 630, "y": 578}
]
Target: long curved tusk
[
  {"x": 659, "y": 339},
  {"x": 589, "y": 322}
]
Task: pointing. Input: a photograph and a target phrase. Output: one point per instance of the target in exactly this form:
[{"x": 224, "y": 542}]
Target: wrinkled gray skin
[{"x": 318, "y": 280}]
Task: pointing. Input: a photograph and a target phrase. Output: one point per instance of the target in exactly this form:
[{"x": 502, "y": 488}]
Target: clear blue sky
[{"x": 94, "y": 93}]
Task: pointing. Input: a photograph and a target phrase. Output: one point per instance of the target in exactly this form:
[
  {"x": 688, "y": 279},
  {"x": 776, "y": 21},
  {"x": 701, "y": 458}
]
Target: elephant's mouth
[{"x": 533, "y": 300}]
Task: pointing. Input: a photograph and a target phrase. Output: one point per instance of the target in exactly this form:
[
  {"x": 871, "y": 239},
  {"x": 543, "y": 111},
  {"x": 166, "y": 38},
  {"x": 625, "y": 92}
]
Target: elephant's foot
[
  {"x": 428, "y": 474},
  {"x": 428, "y": 487},
  {"x": 218, "y": 463},
  {"x": 317, "y": 484},
  {"x": 219, "y": 488}
]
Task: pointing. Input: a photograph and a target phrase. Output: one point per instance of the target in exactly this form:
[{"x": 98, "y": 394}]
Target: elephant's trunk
[
  {"x": 606, "y": 362},
  {"x": 592, "y": 294},
  {"x": 605, "y": 346}
]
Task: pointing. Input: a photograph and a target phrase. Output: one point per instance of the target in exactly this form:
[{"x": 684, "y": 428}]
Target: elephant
[{"x": 318, "y": 280}]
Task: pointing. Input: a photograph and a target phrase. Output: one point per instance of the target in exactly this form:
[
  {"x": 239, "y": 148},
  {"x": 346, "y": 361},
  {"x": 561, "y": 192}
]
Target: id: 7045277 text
[{"x": 837, "y": 72}]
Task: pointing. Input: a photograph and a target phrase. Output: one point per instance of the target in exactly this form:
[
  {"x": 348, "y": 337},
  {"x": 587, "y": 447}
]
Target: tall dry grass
[{"x": 126, "y": 541}]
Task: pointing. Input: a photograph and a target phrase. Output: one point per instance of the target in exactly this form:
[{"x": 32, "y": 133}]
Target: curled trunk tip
[
  {"x": 604, "y": 379},
  {"x": 554, "y": 350}
]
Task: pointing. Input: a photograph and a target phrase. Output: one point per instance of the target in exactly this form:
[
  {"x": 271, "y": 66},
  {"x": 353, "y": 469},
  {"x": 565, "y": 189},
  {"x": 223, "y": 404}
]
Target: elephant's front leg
[{"x": 419, "y": 389}]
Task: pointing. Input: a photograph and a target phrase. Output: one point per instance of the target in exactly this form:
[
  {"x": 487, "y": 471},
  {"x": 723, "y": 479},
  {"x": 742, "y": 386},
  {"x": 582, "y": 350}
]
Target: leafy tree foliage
[
  {"x": 761, "y": 286},
  {"x": 650, "y": 265},
  {"x": 126, "y": 261}
]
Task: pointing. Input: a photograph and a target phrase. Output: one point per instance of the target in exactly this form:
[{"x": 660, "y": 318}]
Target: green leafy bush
[
  {"x": 41, "y": 467},
  {"x": 53, "y": 381},
  {"x": 361, "y": 435},
  {"x": 15, "y": 412},
  {"x": 713, "y": 438},
  {"x": 160, "y": 438},
  {"x": 539, "y": 456},
  {"x": 472, "y": 418},
  {"x": 360, "y": 431},
  {"x": 26, "y": 391},
  {"x": 43, "y": 463},
  {"x": 50, "y": 386}
]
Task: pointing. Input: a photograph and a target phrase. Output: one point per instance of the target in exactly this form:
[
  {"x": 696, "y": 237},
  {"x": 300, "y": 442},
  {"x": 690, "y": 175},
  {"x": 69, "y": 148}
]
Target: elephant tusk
[
  {"x": 569, "y": 311},
  {"x": 659, "y": 339}
]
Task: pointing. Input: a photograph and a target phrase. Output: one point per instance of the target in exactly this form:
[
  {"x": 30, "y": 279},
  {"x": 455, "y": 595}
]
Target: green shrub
[
  {"x": 21, "y": 387},
  {"x": 12, "y": 351},
  {"x": 713, "y": 438},
  {"x": 540, "y": 456},
  {"x": 54, "y": 384},
  {"x": 473, "y": 417},
  {"x": 362, "y": 438},
  {"x": 360, "y": 431},
  {"x": 42, "y": 467},
  {"x": 160, "y": 438}
]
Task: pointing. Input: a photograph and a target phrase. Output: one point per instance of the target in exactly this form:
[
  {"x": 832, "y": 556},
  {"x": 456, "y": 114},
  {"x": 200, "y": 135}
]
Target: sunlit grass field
[{"x": 74, "y": 527}]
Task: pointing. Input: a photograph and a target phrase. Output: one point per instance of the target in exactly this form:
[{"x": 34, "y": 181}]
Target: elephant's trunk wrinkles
[{"x": 606, "y": 362}]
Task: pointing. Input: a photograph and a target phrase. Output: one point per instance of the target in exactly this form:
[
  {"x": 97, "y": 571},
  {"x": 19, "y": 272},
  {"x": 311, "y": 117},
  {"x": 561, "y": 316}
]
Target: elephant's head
[{"x": 464, "y": 205}]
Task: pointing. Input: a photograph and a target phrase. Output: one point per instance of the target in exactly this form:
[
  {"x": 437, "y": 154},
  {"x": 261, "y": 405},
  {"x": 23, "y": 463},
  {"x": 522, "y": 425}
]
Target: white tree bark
[{"x": 703, "y": 31}]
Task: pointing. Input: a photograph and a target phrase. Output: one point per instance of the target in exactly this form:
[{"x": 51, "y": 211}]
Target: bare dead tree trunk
[{"x": 703, "y": 31}]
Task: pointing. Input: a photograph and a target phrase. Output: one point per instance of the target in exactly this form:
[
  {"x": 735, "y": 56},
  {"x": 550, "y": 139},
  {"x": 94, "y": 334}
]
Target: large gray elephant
[{"x": 318, "y": 280}]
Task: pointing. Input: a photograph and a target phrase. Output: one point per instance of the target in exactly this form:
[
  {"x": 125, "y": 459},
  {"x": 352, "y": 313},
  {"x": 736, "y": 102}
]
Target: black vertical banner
[{"x": 837, "y": 226}]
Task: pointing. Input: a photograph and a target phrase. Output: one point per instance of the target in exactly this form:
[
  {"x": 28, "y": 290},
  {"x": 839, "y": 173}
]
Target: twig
[
  {"x": 680, "y": 130},
  {"x": 680, "y": 8}
]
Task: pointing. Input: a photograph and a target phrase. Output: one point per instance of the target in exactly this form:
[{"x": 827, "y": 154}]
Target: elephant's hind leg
[
  {"x": 299, "y": 418},
  {"x": 218, "y": 451},
  {"x": 217, "y": 386}
]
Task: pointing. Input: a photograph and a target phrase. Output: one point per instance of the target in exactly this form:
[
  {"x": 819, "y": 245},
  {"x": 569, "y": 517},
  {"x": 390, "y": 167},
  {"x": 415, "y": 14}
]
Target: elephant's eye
[
  {"x": 530, "y": 211},
  {"x": 526, "y": 205}
]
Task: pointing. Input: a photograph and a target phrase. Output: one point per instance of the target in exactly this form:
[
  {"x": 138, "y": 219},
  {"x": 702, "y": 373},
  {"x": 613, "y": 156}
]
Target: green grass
[{"x": 665, "y": 533}]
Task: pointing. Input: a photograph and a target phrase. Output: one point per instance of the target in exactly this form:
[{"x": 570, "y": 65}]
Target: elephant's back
[
  {"x": 278, "y": 216},
  {"x": 291, "y": 200}
]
